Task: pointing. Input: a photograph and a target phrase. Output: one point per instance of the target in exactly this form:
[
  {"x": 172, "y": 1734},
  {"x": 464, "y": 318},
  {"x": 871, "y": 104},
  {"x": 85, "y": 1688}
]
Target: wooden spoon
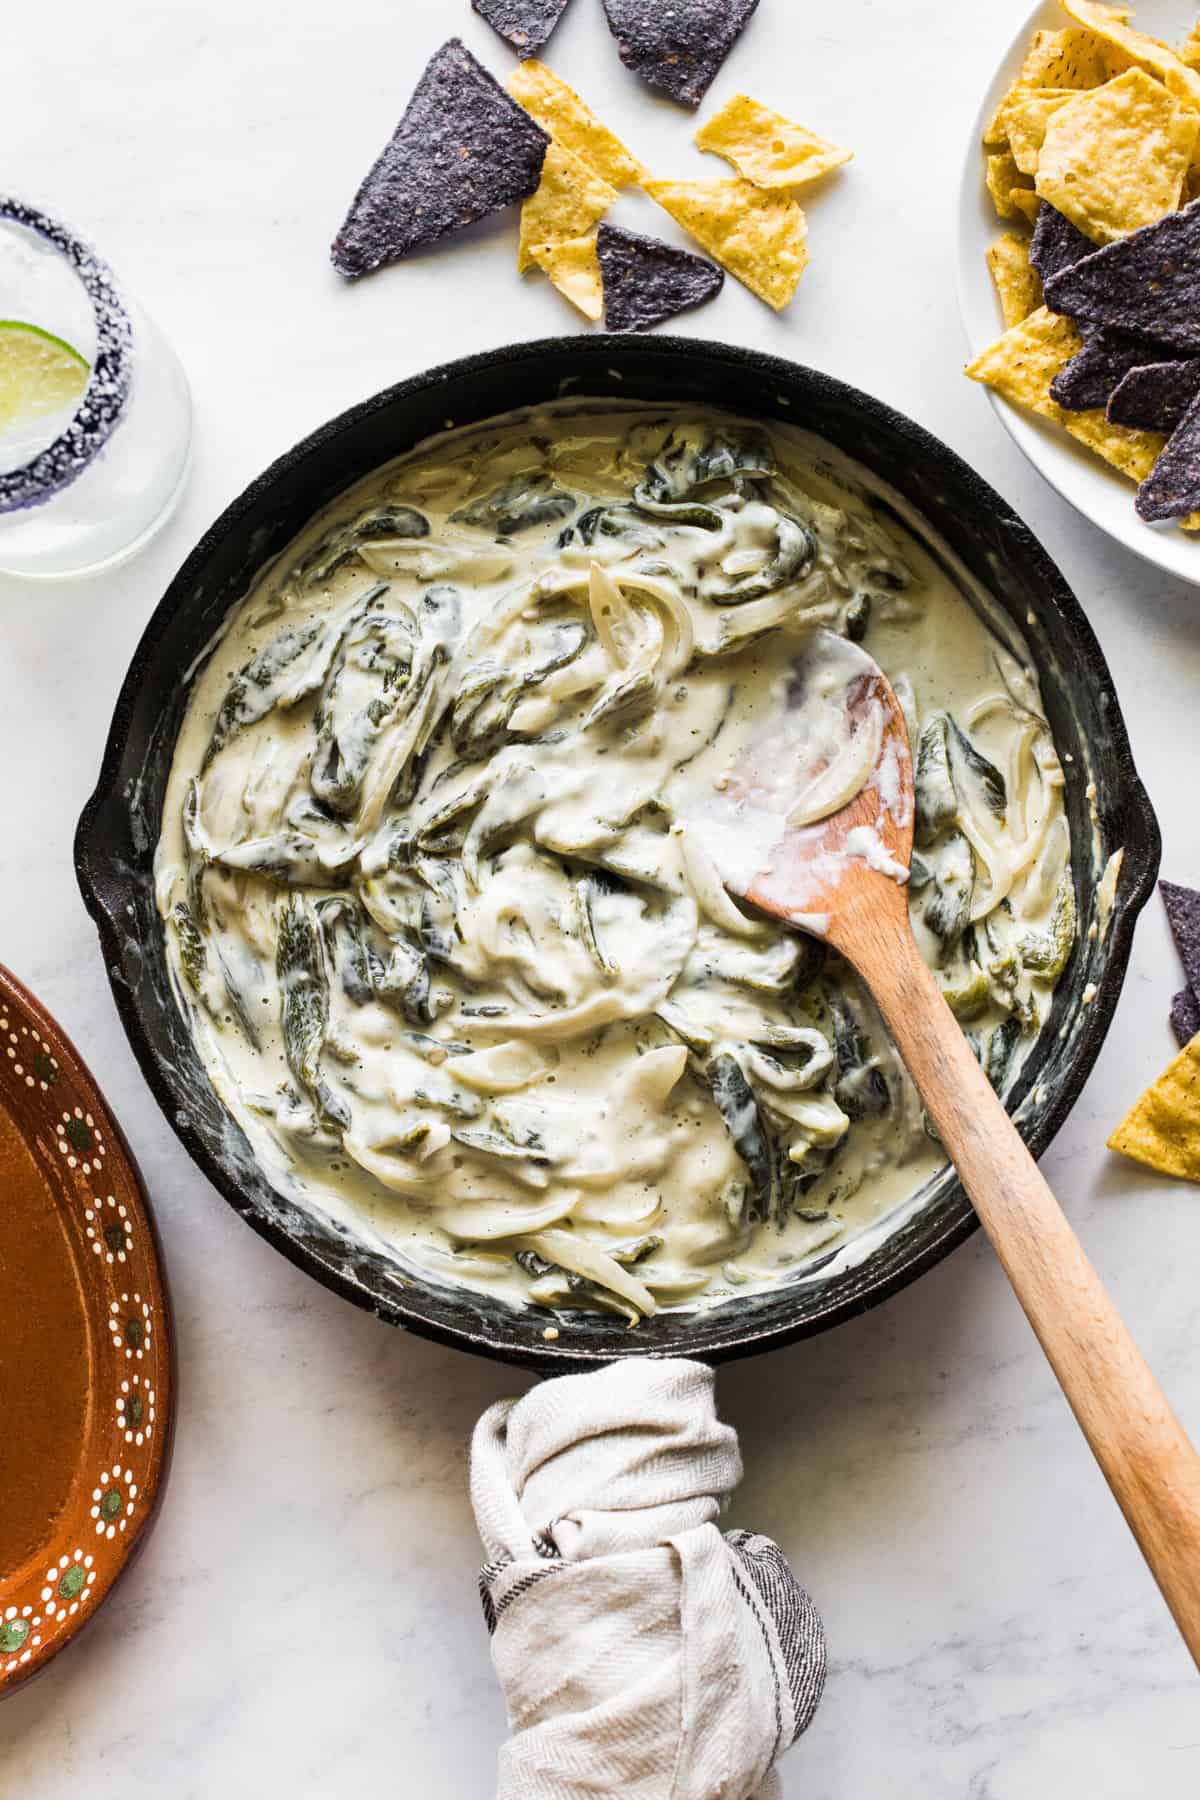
[{"x": 817, "y": 876}]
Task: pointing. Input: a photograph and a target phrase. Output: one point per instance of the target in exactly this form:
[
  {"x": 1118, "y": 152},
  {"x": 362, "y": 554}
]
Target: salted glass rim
[{"x": 103, "y": 399}]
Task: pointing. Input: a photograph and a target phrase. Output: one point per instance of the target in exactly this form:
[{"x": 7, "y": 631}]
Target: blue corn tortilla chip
[
  {"x": 1172, "y": 488},
  {"x": 677, "y": 45},
  {"x": 1056, "y": 242},
  {"x": 1155, "y": 396},
  {"x": 1147, "y": 283},
  {"x": 1185, "y": 1017},
  {"x": 462, "y": 150},
  {"x": 1093, "y": 372},
  {"x": 1183, "y": 916},
  {"x": 525, "y": 24},
  {"x": 646, "y": 281}
]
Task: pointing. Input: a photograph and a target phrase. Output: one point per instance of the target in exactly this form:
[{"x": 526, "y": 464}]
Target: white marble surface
[{"x": 305, "y": 1617}]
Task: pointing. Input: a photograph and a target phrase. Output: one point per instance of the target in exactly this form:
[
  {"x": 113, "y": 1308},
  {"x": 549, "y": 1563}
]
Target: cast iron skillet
[{"x": 115, "y": 844}]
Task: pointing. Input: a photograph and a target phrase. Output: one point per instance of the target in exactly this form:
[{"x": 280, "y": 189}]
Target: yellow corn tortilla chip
[
  {"x": 769, "y": 150},
  {"x": 570, "y": 200},
  {"x": 1189, "y": 50},
  {"x": 1004, "y": 181},
  {"x": 758, "y": 236},
  {"x": 1150, "y": 54},
  {"x": 1065, "y": 59},
  {"x": 1025, "y": 203},
  {"x": 559, "y": 110},
  {"x": 1163, "y": 1130},
  {"x": 1115, "y": 158},
  {"x": 1018, "y": 283},
  {"x": 1022, "y": 364},
  {"x": 574, "y": 268},
  {"x": 1026, "y": 118},
  {"x": 1057, "y": 59}
]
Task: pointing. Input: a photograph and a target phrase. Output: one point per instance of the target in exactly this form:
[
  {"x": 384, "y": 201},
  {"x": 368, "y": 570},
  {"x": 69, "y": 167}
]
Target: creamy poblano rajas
[{"x": 450, "y": 958}]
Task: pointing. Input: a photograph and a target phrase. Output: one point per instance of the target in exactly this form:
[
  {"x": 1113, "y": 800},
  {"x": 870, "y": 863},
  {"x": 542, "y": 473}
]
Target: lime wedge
[{"x": 40, "y": 374}]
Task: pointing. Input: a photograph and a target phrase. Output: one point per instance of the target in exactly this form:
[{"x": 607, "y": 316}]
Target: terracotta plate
[{"x": 86, "y": 1383}]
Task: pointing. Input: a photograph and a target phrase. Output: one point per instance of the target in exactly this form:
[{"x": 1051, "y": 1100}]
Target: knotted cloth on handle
[{"x": 641, "y": 1653}]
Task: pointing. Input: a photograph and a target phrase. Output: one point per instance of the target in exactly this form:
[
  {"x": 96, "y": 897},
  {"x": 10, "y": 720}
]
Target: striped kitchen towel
[{"x": 641, "y": 1652}]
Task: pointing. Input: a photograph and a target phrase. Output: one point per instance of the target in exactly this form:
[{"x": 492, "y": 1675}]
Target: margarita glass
[{"x": 95, "y": 413}]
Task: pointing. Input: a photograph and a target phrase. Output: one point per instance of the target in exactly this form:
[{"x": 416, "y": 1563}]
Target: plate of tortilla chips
[{"x": 1079, "y": 264}]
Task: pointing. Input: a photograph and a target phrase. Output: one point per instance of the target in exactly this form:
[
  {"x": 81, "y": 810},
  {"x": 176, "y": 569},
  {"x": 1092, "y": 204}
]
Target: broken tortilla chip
[
  {"x": 1018, "y": 283},
  {"x": 1056, "y": 59},
  {"x": 1189, "y": 50},
  {"x": 646, "y": 281},
  {"x": 569, "y": 202},
  {"x": 1150, "y": 54},
  {"x": 1065, "y": 59},
  {"x": 559, "y": 110},
  {"x": 1163, "y": 1130},
  {"x": 1026, "y": 117},
  {"x": 1185, "y": 1017},
  {"x": 1004, "y": 181},
  {"x": 756, "y": 235},
  {"x": 679, "y": 49},
  {"x": 1172, "y": 488},
  {"x": 1147, "y": 283},
  {"x": 463, "y": 149},
  {"x": 1182, "y": 906},
  {"x": 1154, "y": 397},
  {"x": 769, "y": 150},
  {"x": 1021, "y": 366},
  {"x": 1056, "y": 243},
  {"x": 1114, "y": 158},
  {"x": 525, "y": 24},
  {"x": 574, "y": 268},
  {"x": 1026, "y": 204}
]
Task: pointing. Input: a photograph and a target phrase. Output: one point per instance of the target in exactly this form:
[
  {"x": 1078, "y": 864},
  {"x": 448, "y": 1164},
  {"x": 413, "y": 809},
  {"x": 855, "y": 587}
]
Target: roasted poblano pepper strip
[
  {"x": 734, "y": 1100},
  {"x": 948, "y": 907},
  {"x": 586, "y": 895},
  {"x": 681, "y": 467},
  {"x": 861, "y": 1089},
  {"x": 612, "y": 522},
  {"x": 858, "y": 618},
  {"x": 405, "y": 981},
  {"x": 304, "y": 990},
  {"x": 488, "y": 1141},
  {"x": 966, "y": 992},
  {"x": 250, "y": 696},
  {"x": 237, "y": 1004},
  {"x": 526, "y": 500},
  {"x": 1001, "y": 1051},
  {"x": 795, "y": 548},
  {"x": 625, "y": 698},
  {"x": 984, "y": 773},
  {"x": 375, "y": 654},
  {"x": 1048, "y": 955},
  {"x": 391, "y": 522},
  {"x": 919, "y": 874},
  {"x": 936, "y": 799},
  {"x": 490, "y": 693},
  {"x": 344, "y": 930},
  {"x": 632, "y": 1254},
  {"x": 193, "y": 955}
]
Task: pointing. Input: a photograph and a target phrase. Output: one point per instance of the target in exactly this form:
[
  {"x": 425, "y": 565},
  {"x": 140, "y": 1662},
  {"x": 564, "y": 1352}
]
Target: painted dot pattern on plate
[{"x": 39, "y": 1606}]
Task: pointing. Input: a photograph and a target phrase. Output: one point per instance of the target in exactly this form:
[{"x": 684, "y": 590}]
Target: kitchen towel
[{"x": 641, "y": 1652}]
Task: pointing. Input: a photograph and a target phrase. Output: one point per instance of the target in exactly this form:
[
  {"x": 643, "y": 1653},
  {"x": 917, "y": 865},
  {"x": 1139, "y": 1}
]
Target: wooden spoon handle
[{"x": 1146, "y": 1456}]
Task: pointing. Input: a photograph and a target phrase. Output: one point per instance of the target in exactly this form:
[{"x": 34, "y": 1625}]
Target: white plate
[{"x": 1094, "y": 489}]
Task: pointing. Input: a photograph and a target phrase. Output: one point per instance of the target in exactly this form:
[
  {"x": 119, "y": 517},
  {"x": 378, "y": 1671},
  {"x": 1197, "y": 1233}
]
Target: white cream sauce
[{"x": 454, "y": 954}]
